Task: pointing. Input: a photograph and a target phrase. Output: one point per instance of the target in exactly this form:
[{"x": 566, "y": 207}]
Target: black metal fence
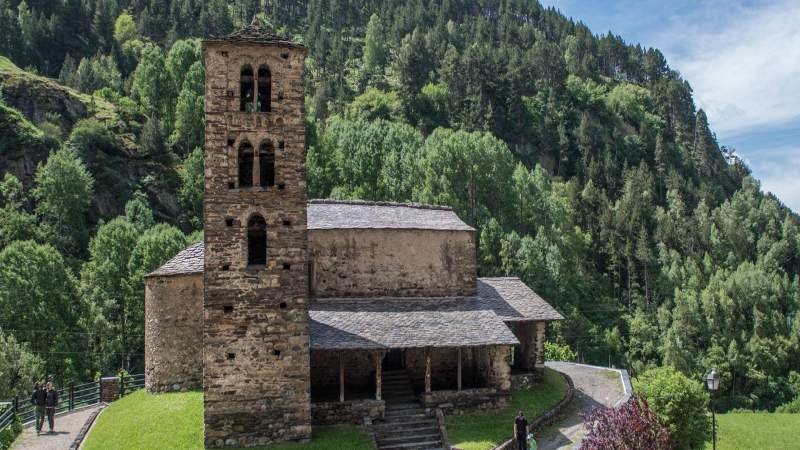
[{"x": 71, "y": 398}]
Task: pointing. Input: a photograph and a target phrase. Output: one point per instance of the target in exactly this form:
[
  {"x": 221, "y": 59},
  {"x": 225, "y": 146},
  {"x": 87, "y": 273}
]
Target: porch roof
[{"x": 383, "y": 323}]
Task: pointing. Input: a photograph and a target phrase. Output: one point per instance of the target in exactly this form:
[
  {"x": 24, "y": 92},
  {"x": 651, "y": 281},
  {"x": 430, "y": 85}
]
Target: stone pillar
[
  {"x": 378, "y": 374},
  {"x": 498, "y": 370},
  {"x": 109, "y": 389},
  {"x": 427, "y": 370},
  {"x": 538, "y": 332}
]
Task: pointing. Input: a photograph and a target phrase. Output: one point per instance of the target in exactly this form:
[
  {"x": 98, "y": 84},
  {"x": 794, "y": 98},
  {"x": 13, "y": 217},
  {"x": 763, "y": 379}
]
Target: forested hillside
[{"x": 582, "y": 161}]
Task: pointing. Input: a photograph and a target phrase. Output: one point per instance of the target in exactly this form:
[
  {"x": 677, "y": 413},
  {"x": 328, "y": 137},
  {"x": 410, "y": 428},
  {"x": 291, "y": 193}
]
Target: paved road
[
  {"x": 594, "y": 386},
  {"x": 67, "y": 427}
]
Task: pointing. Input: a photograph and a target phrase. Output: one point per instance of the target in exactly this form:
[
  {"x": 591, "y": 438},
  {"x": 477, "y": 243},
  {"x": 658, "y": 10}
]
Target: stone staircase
[{"x": 405, "y": 425}]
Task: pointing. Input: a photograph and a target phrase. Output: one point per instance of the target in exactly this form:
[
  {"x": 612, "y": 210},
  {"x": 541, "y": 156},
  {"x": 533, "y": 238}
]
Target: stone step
[
  {"x": 408, "y": 425},
  {"x": 411, "y": 445},
  {"x": 392, "y": 411},
  {"x": 409, "y": 437},
  {"x": 401, "y": 432},
  {"x": 394, "y": 418}
]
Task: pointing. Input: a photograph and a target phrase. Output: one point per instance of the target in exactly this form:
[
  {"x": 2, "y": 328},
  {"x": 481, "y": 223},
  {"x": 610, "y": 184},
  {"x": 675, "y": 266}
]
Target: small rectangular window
[
  {"x": 287, "y": 266},
  {"x": 227, "y": 309},
  {"x": 231, "y": 356},
  {"x": 229, "y": 222}
]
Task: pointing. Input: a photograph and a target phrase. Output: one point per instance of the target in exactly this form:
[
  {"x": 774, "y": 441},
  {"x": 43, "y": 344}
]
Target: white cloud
[
  {"x": 744, "y": 69},
  {"x": 779, "y": 172}
]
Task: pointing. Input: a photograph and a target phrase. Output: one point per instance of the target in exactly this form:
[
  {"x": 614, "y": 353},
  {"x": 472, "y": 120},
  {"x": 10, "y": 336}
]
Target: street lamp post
[{"x": 712, "y": 383}]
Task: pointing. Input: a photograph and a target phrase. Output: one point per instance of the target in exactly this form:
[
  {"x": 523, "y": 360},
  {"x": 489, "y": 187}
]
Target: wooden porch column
[
  {"x": 378, "y": 374},
  {"x": 341, "y": 377},
  {"x": 459, "y": 368},
  {"x": 427, "y": 370}
]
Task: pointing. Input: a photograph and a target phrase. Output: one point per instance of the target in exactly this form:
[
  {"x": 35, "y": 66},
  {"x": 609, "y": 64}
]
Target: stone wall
[
  {"x": 351, "y": 411},
  {"x": 173, "y": 332},
  {"x": 467, "y": 400},
  {"x": 530, "y": 355},
  {"x": 387, "y": 262},
  {"x": 444, "y": 368},
  {"x": 256, "y": 328},
  {"x": 493, "y": 363},
  {"x": 359, "y": 371}
]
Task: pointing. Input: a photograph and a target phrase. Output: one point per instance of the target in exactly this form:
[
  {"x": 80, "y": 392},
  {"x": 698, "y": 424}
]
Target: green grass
[
  {"x": 175, "y": 421},
  {"x": 757, "y": 431},
  {"x": 481, "y": 431}
]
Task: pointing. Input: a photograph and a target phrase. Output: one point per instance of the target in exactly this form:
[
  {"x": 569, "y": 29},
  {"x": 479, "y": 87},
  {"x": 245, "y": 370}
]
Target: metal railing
[{"x": 71, "y": 398}]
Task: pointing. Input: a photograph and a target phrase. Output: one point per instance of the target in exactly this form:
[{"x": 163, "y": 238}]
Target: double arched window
[
  {"x": 250, "y": 98},
  {"x": 256, "y": 241},
  {"x": 256, "y": 167}
]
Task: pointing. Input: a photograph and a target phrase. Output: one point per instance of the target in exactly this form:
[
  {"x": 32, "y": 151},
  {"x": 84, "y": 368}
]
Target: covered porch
[{"x": 434, "y": 352}]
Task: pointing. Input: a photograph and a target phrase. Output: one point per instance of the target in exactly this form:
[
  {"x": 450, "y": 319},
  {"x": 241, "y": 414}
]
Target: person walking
[
  {"x": 51, "y": 401},
  {"x": 38, "y": 400},
  {"x": 521, "y": 431}
]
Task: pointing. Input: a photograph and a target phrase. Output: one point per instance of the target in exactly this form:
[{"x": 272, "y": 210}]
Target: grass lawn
[
  {"x": 481, "y": 431},
  {"x": 175, "y": 421},
  {"x": 751, "y": 431}
]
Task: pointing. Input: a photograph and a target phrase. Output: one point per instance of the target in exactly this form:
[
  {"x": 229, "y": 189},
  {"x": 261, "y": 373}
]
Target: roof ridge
[{"x": 330, "y": 201}]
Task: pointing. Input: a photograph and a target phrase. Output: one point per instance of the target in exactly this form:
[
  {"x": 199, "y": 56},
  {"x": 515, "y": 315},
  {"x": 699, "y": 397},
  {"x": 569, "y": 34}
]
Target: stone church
[{"x": 297, "y": 312}]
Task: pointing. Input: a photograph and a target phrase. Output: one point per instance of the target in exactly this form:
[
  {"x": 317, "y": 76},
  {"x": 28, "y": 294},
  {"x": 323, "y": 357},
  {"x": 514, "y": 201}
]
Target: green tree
[
  {"x": 63, "y": 191},
  {"x": 19, "y": 368},
  {"x": 189, "y": 132},
  {"x": 38, "y": 294},
  {"x": 124, "y": 28},
  {"x": 190, "y": 193},
  {"x": 376, "y": 52},
  {"x": 151, "y": 84},
  {"x": 680, "y": 401}
]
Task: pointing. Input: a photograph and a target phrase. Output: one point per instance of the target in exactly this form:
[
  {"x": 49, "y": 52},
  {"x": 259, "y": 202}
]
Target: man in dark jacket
[
  {"x": 521, "y": 431},
  {"x": 51, "y": 401},
  {"x": 38, "y": 400}
]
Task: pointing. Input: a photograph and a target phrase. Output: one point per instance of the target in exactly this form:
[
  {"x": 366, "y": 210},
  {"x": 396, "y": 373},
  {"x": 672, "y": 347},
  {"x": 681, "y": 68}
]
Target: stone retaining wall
[
  {"x": 351, "y": 412},
  {"x": 459, "y": 402}
]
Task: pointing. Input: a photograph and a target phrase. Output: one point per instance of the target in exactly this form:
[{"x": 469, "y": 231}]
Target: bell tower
[{"x": 255, "y": 311}]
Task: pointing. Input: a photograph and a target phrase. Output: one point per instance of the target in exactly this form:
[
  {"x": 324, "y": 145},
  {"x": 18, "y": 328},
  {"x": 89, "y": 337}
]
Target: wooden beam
[
  {"x": 378, "y": 374},
  {"x": 427, "y": 370},
  {"x": 341, "y": 377},
  {"x": 459, "y": 368}
]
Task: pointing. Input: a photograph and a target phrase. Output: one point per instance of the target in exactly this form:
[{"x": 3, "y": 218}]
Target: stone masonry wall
[
  {"x": 352, "y": 412},
  {"x": 402, "y": 263},
  {"x": 256, "y": 326},
  {"x": 173, "y": 332},
  {"x": 467, "y": 400}
]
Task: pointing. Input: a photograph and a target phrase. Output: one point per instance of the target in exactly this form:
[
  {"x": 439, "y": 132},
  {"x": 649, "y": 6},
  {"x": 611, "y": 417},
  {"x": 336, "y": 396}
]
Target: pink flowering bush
[{"x": 631, "y": 426}]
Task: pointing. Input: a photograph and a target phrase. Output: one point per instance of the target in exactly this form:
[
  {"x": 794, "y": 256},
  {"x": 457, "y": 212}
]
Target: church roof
[
  {"x": 512, "y": 299},
  {"x": 256, "y": 33},
  {"x": 187, "y": 261},
  {"x": 350, "y": 214},
  {"x": 382, "y": 323}
]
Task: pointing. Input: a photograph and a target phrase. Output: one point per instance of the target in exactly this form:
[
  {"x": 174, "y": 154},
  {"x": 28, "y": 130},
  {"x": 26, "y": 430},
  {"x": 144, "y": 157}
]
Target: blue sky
[{"x": 742, "y": 59}]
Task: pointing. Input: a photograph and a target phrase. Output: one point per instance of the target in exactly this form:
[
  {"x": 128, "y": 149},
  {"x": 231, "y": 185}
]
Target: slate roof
[
  {"x": 382, "y": 323},
  {"x": 513, "y": 300},
  {"x": 187, "y": 261},
  {"x": 256, "y": 33},
  {"x": 339, "y": 214}
]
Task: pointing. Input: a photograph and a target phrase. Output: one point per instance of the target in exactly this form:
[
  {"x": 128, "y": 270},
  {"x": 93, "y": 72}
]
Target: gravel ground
[{"x": 594, "y": 386}]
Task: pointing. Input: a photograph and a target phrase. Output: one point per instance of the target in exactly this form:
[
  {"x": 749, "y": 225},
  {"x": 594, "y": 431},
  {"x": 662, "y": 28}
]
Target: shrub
[
  {"x": 631, "y": 426},
  {"x": 681, "y": 403},
  {"x": 792, "y": 407},
  {"x": 558, "y": 352},
  {"x": 10, "y": 433}
]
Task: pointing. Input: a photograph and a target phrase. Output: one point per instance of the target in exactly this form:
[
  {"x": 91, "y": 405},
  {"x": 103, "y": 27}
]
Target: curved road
[{"x": 594, "y": 386}]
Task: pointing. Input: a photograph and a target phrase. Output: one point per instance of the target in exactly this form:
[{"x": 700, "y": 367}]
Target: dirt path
[
  {"x": 67, "y": 427},
  {"x": 594, "y": 386}
]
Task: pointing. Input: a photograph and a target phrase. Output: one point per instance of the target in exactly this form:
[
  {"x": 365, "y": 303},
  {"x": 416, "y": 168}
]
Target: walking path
[
  {"x": 67, "y": 428},
  {"x": 594, "y": 386}
]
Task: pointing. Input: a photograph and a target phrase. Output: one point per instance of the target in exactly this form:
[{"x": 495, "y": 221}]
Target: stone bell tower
[{"x": 256, "y": 326}]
